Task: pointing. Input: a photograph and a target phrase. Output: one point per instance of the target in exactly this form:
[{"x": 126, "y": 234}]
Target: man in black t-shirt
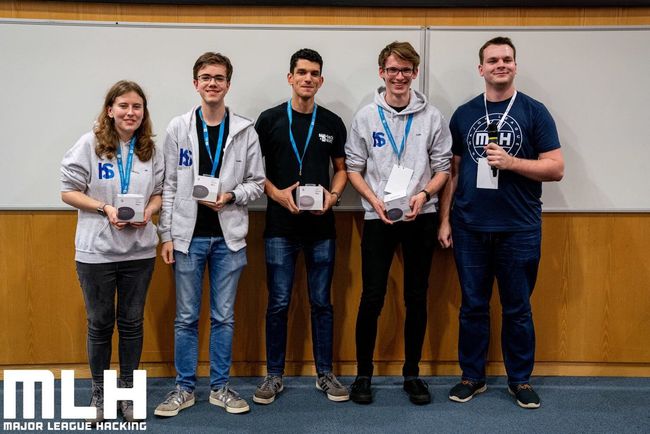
[{"x": 298, "y": 140}]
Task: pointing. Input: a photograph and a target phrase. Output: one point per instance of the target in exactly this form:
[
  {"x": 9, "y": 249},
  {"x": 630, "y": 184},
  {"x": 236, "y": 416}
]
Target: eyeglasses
[
  {"x": 392, "y": 72},
  {"x": 205, "y": 78}
]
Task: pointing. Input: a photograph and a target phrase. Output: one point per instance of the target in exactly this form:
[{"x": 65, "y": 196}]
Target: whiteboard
[
  {"x": 54, "y": 76},
  {"x": 596, "y": 84}
]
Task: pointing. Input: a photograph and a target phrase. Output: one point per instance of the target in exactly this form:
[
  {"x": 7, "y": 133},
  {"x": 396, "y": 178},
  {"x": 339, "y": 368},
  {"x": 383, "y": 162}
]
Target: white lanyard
[{"x": 505, "y": 114}]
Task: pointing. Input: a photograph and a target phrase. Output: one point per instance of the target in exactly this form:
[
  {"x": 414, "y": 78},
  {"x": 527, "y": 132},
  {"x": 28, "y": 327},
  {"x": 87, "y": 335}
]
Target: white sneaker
[{"x": 229, "y": 400}]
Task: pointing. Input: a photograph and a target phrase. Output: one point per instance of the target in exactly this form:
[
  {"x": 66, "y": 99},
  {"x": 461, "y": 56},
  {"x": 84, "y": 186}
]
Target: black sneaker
[
  {"x": 418, "y": 391},
  {"x": 360, "y": 391},
  {"x": 465, "y": 390},
  {"x": 525, "y": 395}
]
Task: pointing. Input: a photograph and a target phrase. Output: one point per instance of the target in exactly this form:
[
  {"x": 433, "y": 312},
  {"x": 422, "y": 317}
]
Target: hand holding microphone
[{"x": 493, "y": 137}]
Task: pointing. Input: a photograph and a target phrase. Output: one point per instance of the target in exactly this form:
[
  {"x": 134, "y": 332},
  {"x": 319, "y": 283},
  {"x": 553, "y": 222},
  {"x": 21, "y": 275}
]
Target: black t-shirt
[
  {"x": 207, "y": 220},
  {"x": 282, "y": 168}
]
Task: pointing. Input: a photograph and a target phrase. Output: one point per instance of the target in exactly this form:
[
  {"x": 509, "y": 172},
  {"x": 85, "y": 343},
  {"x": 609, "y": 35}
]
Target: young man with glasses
[
  {"x": 505, "y": 145},
  {"x": 399, "y": 144},
  {"x": 210, "y": 141},
  {"x": 299, "y": 139}
]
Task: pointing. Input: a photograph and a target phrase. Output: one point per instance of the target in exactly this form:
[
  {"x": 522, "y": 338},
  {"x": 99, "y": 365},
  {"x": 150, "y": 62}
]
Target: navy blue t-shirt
[{"x": 527, "y": 131}]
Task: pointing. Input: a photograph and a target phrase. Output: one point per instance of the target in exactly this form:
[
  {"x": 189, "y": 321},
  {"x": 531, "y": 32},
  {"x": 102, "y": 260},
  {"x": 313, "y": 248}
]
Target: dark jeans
[
  {"x": 99, "y": 283},
  {"x": 513, "y": 258},
  {"x": 281, "y": 255},
  {"x": 378, "y": 245}
]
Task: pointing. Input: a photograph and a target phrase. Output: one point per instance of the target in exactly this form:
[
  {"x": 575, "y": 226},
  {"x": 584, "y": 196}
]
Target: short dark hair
[
  {"x": 499, "y": 40},
  {"x": 306, "y": 54},
  {"x": 211, "y": 58}
]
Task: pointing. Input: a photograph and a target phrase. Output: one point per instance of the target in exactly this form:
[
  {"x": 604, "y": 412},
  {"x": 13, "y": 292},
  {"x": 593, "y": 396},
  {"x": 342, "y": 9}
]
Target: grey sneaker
[
  {"x": 330, "y": 385},
  {"x": 268, "y": 390},
  {"x": 126, "y": 407},
  {"x": 229, "y": 399},
  {"x": 97, "y": 401},
  {"x": 175, "y": 401}
]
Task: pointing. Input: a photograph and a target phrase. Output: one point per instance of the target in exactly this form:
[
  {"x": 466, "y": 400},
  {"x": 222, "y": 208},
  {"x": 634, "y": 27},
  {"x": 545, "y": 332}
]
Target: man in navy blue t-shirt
[{"x": 505, "y": 144}]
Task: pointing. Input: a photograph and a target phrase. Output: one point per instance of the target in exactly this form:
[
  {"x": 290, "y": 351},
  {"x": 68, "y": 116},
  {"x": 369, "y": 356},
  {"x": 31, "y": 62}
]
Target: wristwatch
[
  {"x": 234, "y": 198},
  {"x": 100, "y": 210},
  {"x": 426, "y": 194},
  {"x": 338, "y": 198}
]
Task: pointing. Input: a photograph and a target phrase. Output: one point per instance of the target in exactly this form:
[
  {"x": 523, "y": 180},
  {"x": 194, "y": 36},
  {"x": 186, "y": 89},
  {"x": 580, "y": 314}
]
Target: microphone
[{"x": 493, "y": 136}]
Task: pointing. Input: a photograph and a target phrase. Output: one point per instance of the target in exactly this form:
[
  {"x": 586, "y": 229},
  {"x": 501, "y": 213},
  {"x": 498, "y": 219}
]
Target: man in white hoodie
[
  {"x": 397, "y": 144},
  {"x": 209, "y": 141}
]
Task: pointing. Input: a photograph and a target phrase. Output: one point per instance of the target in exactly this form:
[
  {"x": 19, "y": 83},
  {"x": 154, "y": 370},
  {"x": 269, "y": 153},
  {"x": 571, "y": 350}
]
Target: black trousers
[
  {"x": 100, "y": 283},
  {"x": 378, "y": 244}
]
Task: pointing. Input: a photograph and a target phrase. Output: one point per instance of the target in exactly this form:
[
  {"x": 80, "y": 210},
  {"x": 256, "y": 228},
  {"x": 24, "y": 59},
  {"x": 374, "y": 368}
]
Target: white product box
[
  {"x": 397, "y": 204},
  {"x": 309, "y": 198},
  {"x": 205, "y": 188},
  {"x": 130, "y": 207}
]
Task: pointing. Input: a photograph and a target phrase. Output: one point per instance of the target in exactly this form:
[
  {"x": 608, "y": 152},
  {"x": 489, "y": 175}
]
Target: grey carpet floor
[{"x": 569, "y": 405}]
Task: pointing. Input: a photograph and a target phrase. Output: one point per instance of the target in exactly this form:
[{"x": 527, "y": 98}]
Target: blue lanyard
[
  {"x": 293, "y": 141},
  {"x": 206, "y": 141},
  {"x": 125, "y": 176},
  {"x": 390, "y": 135}
]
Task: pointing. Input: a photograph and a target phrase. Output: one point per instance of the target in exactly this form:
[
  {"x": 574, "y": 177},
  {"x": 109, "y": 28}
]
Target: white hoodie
[
  {"x": 241, "y": 172},
  {"x": 98, "y": 241},
  {"x": 427, "y": 150}
]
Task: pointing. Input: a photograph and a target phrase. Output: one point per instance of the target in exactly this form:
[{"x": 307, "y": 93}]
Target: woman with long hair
[{"x": 115, "y": 246}]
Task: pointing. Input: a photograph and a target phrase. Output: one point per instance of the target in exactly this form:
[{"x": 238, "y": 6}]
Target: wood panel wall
[{"x": 591, "y": 303}]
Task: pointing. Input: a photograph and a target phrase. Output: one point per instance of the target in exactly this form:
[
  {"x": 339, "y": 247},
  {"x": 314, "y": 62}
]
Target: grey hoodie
[
  {"x": 427, "y": 150},
  {"x": 241, "y": 171},
  {"x": 97, "y": 241}
]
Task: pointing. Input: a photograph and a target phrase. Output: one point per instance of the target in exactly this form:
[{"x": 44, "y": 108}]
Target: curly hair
[{"x": 107, "y": 136}]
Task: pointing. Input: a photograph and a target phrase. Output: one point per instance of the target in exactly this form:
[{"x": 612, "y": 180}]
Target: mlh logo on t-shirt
[
  {"x": 326, "y": 138},
  {"x": 509, "y": 138},
  {"x": 185, "y": 157},
  {"x": 378, "y": 139},
  {"x": 105, "y": 170},
  {"x": 505, "y": 139}
]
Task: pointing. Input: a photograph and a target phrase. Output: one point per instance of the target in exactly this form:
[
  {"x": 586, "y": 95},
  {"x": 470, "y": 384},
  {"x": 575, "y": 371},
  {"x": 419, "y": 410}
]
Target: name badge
[
  {"x": 399, "y": 179},
  {"x": 484, "y": 177}
]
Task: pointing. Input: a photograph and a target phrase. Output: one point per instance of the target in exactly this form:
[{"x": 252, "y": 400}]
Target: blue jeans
[
  {"x": 225, "y": 267},
  {"x": 513, "y": 258},
  {"x": 281, "y": 255}
]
